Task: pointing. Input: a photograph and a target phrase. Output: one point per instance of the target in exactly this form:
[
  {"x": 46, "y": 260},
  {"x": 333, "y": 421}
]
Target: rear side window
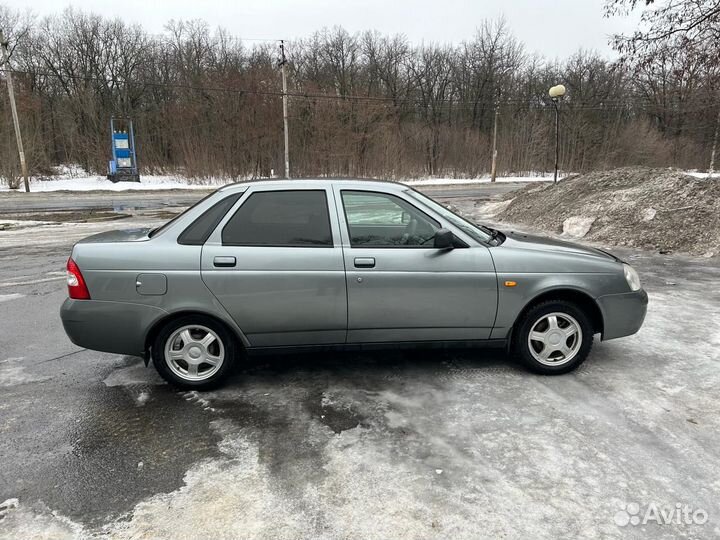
[
  {"x": 164, "y": 227},
  {"x": 296, "y": 218},
  {"x": 201, "y": 229}
]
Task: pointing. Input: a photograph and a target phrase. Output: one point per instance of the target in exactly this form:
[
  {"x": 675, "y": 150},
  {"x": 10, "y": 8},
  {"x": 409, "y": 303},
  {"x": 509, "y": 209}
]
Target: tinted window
[
  {"x": 201, "y": 229},
  {"x": 383, "y": 220},
  {"x": 281, "y": 218},
  {"x": 164, "y": 227}
]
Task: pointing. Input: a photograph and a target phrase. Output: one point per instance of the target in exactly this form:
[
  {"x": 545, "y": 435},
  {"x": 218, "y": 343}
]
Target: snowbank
[{"x": 659, "y": 209}]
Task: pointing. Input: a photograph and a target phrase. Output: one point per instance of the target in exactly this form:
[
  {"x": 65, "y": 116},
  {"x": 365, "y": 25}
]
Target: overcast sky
[{"x": 554, "y": 28}]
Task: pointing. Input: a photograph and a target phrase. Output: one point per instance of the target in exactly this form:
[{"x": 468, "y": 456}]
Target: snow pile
[
  {"x": 660, "y": 209},
  {"x": 577, "y": 226}
]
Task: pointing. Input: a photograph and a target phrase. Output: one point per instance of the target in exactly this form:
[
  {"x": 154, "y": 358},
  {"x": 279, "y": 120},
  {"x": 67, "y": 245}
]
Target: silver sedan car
[{"x": 284, "y": 265}]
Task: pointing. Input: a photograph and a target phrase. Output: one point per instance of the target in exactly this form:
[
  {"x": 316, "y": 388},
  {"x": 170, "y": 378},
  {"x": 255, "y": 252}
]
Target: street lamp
[{"x": 556, "y": 94}]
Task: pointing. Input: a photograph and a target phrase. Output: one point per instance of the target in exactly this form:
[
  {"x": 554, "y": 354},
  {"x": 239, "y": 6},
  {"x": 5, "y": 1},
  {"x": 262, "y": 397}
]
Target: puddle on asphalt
[
  {"x": 91, "y": 216},
  {"x": 69, "y": 216},
  {"x": 335, "y": 417}
]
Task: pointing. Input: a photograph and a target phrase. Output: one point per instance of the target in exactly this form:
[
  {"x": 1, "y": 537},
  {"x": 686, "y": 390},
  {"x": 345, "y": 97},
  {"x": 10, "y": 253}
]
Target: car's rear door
[
  {"x": 275, "y": 263},
  {"x": 401, "y": 288}
]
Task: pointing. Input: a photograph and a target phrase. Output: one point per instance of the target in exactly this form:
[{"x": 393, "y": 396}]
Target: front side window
[
  {"x": 384, "y": 220},
  {"x": 480, "y": 234},
  {"x": 296, "y": 218}
]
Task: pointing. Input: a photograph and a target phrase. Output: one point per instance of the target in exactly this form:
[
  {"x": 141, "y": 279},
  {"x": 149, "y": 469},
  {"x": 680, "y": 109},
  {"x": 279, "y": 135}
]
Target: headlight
[{"x": 632, "y": 277}]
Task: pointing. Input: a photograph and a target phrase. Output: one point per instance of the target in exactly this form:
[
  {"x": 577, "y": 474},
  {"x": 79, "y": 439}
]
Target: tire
[
  {"x": 194, "y": 352},
  {"x": 555, "y": 347}
]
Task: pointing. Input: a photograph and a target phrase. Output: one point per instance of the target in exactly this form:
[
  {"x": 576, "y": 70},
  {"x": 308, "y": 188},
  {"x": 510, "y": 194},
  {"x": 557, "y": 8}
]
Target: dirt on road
[{"x": 659, "y": 209}]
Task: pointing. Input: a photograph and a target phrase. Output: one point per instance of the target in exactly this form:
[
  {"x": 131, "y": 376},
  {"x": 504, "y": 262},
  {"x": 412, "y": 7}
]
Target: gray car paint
[{"x": 278, "y": 297}]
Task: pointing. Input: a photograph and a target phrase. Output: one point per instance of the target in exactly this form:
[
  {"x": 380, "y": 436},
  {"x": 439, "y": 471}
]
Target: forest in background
[{"x": 206, "y": 103}]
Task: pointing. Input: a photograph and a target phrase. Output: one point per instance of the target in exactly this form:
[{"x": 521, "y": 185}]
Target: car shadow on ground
[{"x": 413, "y": 362}]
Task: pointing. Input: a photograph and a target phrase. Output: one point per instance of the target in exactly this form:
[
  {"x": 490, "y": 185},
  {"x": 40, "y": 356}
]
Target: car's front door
[
  {"x": 275, "y": 264},
  {"x": 401, "y": 288}
]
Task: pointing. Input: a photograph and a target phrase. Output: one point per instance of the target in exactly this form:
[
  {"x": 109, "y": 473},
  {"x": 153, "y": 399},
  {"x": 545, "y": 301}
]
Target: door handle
[
  {"x": 224, "y": 261},
  {"x": 364, "y": 262}
]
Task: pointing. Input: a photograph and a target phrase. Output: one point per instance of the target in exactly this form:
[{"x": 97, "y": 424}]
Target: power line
[
  {"x": 170, "y": 35},
  {"x": 629, "y": 104}
]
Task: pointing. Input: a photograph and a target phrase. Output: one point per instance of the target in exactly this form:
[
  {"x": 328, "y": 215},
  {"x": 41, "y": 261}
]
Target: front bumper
[
  {"x": 623, "y": 314},
  {"x": 114, "y": 327}
]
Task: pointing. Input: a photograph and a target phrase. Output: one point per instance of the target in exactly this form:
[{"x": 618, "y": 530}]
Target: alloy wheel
[
  {"x": 555, "y": 339},
  {"x": 194, "y": 352}
]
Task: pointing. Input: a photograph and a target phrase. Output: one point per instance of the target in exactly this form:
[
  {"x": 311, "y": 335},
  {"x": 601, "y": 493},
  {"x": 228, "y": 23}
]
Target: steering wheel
[
  {"x": 424, "y": 241},
  {"x": 409, "y": 231}
]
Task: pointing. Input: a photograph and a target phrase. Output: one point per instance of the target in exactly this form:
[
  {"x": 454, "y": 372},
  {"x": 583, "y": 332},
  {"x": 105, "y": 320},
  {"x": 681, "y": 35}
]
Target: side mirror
[
  {"x": 405, "y": 218},
  {"x": 444, "y": 239}
]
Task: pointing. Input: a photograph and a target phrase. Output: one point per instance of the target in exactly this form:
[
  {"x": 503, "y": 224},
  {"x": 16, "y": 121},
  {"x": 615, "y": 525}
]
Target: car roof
[{"x": 384, "y": 185}]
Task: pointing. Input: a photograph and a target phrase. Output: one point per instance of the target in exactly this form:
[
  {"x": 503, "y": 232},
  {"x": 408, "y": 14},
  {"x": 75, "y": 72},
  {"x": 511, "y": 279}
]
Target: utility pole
[
  {"x": 283, "y": 61},
  {"x": 557, "y": 138},
  {"x": 493, "y": 168},
  {"x": 13, "y": 108},
  {"x": 556, "y": 94},
  {"x": 711, "y": 169}
]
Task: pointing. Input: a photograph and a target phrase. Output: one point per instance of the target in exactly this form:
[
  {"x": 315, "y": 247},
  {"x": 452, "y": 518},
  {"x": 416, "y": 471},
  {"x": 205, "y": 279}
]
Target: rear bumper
[
  {"x": 114, "y": 327},
  {"x": 623, "y": 314}
]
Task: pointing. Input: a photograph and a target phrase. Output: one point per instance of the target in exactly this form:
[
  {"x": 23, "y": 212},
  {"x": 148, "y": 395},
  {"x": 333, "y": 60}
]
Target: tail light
[{"x": 75, "y": 282}]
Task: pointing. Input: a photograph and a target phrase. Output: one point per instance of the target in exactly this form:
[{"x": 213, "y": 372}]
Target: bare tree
[{"x": 363, "y": 104}]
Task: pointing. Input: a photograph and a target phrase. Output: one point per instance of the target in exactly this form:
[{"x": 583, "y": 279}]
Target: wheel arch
[
  {"x": 155, "y": 328},
  {"x": 582, "y": 299}
]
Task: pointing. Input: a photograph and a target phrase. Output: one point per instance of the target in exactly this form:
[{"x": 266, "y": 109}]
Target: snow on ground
[
  {"x": 73, "y": 178},
  {"x": 435, "y": 445},
  {"x": 705, "y": 175},
  {"x": 100, "y": 183},
  {"x": 539, "y": 177},
  {"x": 577, "y": 226},
  {"x": 454, "y": 447}
]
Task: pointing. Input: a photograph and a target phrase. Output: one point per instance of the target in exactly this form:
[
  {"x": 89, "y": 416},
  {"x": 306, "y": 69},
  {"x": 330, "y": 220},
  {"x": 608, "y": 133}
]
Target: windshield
[{"x": 478, "y": 233}]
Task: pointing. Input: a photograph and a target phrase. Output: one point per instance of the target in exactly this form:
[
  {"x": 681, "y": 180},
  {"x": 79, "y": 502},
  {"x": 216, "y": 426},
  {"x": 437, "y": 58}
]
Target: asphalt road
[
  {"x": 18, "y": 202},
  {"x": 419, "y": 444}
]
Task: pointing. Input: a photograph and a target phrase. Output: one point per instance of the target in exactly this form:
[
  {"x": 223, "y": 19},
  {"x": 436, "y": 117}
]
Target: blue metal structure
[{"x": 123, "y": 165}]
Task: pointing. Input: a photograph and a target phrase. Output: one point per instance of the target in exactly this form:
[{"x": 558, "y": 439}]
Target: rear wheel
[
  {"x": 194, "y": 352},
  {"x": 553, "y": 337}
]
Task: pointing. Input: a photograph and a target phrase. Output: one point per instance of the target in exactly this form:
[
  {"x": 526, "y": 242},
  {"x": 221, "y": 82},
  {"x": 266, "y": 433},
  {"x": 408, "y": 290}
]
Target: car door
[
  {"x": 401, "y": 288},
  {"x": 275, "y": 263}
]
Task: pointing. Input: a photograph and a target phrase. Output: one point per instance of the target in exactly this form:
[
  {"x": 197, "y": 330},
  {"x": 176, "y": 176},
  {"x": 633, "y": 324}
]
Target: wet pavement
[
  {"x": 14, "y": 202},
  {"x": 401, "y": 444}
]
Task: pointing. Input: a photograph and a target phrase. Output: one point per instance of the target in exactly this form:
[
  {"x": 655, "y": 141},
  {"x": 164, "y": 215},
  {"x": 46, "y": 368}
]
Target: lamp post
[{"x": 556, "y": 94}]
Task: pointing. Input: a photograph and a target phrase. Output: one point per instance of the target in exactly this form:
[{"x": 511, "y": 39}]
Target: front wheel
[
  {"x": 553, "y": 337},
  {"x": 194, "y": 352}
]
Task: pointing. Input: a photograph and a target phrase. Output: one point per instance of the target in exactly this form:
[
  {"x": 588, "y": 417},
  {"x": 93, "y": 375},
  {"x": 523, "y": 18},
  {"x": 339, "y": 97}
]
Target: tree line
[{"x": 206, "y": 103}]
